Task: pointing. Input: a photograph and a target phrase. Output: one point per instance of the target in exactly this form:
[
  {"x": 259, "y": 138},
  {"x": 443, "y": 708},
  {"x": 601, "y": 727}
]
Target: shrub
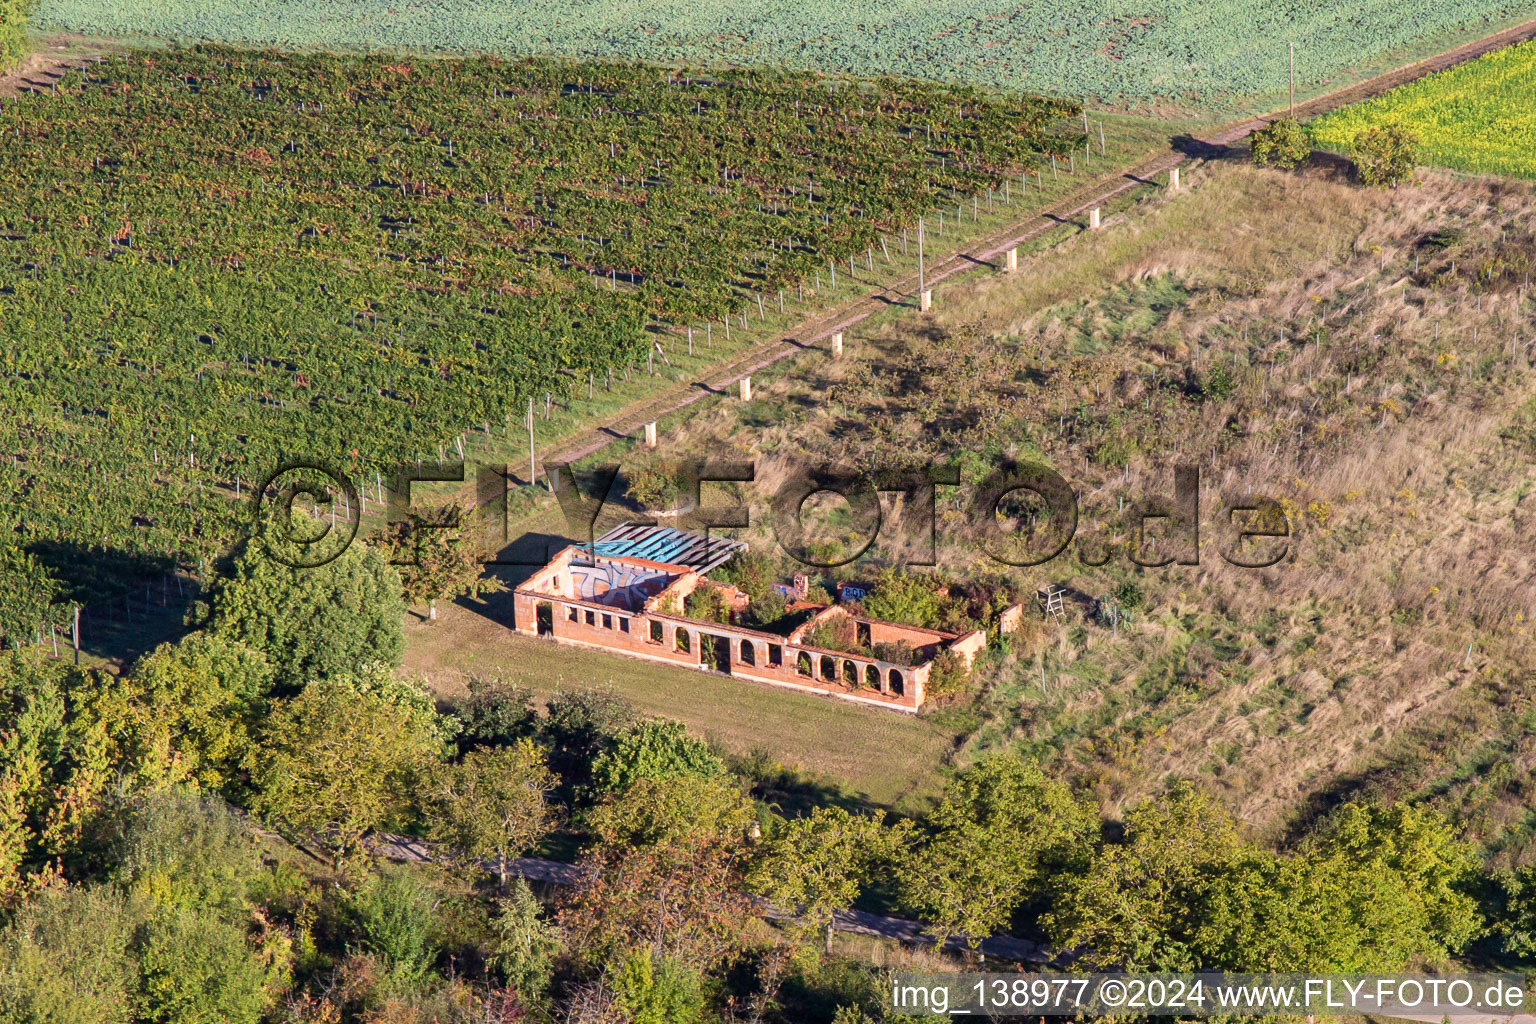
[
  {"x": 898, "y": 653},
  {"x": 525, "y": 946},
  {"x": 1217, "y": 383},
  {"x": 658, "y": 990},
  {"x": 901, "y": 596},
  {"x": 183, "y": 849},
  {"x": 64, "y": 959},
  {"x": 198, "y": 969},
  {"x": 709, "y": 604},
  {"x": 1385, "y": 155},
  {"x": 834, "y": 633},
  {"x": 656, "y": 749},
  {"x": 495, "y": 714},
  {"x": 652, "y": 487},
  {"x": 337, "y": 764},
  {"x": 948, "y": 676},
  {"x": 1129, "y": 595},
  {"x": 13, "y": 31},
  {"x": 1284, "y": 143},
  {"x": 394, "y": 917}
]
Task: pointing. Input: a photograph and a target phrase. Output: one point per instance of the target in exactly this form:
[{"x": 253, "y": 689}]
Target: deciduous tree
[
  {"x": 1001, "y": 830},
  {"x": 336, "y": 764},
  {"x": 492, "y": 803},
  {"x": 312, "y": 623}
]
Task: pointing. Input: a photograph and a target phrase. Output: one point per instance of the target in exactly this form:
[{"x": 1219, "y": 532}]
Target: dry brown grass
[{"x": 1367, "y": 397}]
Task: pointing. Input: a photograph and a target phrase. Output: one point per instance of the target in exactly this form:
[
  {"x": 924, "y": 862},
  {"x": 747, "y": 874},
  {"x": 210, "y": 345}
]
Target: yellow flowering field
[{"x": 1479, "y": 116}]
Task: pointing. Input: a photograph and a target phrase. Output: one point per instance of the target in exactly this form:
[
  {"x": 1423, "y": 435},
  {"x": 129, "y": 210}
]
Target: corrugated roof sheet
[{"x": 665, "y": 544}]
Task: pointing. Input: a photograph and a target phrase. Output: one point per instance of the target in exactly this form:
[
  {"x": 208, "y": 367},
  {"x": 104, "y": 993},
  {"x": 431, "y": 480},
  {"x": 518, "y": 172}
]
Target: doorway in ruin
[{"x": 544, "y": 615}]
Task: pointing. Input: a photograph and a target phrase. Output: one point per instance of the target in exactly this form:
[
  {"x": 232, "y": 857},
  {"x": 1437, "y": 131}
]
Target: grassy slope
[{"x": 1389, "y": 411}]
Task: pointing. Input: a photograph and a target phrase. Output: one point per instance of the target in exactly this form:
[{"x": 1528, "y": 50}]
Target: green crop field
[
  {"x": 1183, "y": 51},
  {"x": 1479, "y": 117},
  {"x": 211, "y": 259}
]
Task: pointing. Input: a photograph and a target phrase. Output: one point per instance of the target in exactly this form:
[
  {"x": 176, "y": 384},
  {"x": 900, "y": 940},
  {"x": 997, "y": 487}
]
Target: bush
[
  {"x": 1129, "y": 595},
  {"x": 495, "y": 714},
  {"x": 525, "y": 946},
  {"x": 948, "y": 676},
  {"x": 578, "y": 727},
  {"x": 835, "y": 633},
  {"x": 657, "y": 990},
  {"x": 1513, "y": 922},
  {"x": 185, "y": 850},
  {"x": 199, "y": 969},
  {"x": 337, "y": 764},
  {"x": 901, "y": 596},
  {"x": 1284, "y": 143},
  {"x": 1385, "y": 155},
  {"x": 657, "y": 749},
  {"x": 652, "y": 487},
  {"x": 898, "y": 653},
  {"x": 1217, "y": 383},
  {"x": 394, "y": 916},
  {"x": 708, "y": 604},
  {"x": 64, "y": 959}
]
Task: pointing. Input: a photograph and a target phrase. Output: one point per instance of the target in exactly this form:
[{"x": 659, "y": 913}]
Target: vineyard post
[
  {"x": 690, "y": 342},
  {"x": 884, "y": 251},
  {"x": 837, "y": 344},
  {"x": 1054, "y": 175},
  {"x": 650, "y": 434},
  {"x": 760, "y": 314},
  {"x": 746, "y": 389},
  {"x": 1101, "y": 138},
  {"x": 75, "y": 633},
  {"x": 1093, "y": 219},
  {"x": 531, "y": 476}
]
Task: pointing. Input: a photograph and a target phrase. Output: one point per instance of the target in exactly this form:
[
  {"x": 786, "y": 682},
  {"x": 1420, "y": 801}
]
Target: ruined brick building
[{"x": 627, "y": 594}]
